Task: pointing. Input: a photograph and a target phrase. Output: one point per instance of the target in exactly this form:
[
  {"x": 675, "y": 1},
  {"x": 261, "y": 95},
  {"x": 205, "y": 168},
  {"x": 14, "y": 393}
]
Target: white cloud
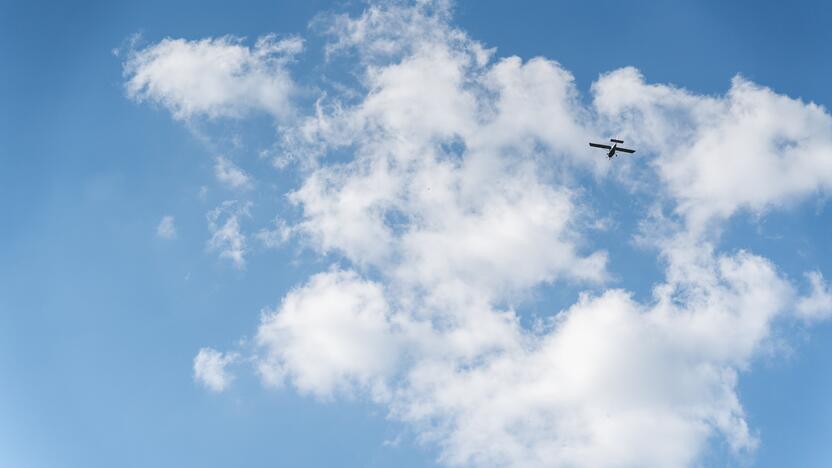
[
  {"x": 166, "y": 228},
  {"x": 614, "y": 383},
  {"x": 230, "y": 174},
  {"x": 387, "y": 31},
  {"x": 333, "y": 333},
  {"x": 750, "y": 149},
  {"x": 449, "y": 180},
  {"x": 611, "y": 382},
  {"x": 210, "y": 369},
  {"x": 273, "y": 238},
  {"x": 218, "y": 77},
  {"x": 818, "y": 305},
  {"x": 448, "y": 198},
  {"x": 226, "y": 234}
]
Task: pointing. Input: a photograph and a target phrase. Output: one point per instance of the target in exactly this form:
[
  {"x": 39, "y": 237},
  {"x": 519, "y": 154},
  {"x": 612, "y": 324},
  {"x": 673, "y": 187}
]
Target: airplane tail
[{"x": 616, "y": 141}]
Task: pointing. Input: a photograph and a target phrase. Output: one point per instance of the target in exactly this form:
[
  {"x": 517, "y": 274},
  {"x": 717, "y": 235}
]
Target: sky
[{"x": 372, "y": 234}]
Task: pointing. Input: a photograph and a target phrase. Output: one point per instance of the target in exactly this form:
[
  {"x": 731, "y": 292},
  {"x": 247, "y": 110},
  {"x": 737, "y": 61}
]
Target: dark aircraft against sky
[{"x": 612, "y": 150}]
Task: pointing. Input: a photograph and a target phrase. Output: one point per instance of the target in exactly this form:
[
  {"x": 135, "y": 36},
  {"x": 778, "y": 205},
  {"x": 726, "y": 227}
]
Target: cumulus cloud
[
  {"x": 613, "y": 383},
  {"x": 332, "y": 333},
  {"x": 449, "y": 200},
  {"x": 226, "y": 235},
  {"x": 229, "y": 174},
  {"x": 462, "y": 193},
  {"x": 166, "y": 228},
  {"x": 210, "y": 369},
  {"x": 448, "y": 179},
  {"x": 749, "y": 149},
  {"x": 610, "y": 382},
  {"x": 215, "y": 77}
]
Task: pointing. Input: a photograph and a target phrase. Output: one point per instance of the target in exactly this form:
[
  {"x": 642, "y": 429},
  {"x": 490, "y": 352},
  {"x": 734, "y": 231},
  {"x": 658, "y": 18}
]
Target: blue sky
[{"x": 101, "y": 317}]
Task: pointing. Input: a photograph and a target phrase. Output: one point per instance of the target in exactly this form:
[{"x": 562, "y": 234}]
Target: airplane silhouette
[{"x": 612, "y": 150}]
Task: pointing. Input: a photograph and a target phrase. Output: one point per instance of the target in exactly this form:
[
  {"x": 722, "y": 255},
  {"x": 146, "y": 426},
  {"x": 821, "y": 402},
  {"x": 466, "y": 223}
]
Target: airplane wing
[
  {"x": 625, "y": 150},
  {"x": 596, "y": 145}
]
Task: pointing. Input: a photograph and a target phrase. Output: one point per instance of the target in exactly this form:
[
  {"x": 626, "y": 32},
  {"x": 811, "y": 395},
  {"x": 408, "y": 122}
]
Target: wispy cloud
[
  {"x": 275, "y": 237},
  {"x": 166, "y": 228},
  {"x": 210, "y": 369},
  {"x": 818, "y": 304},
  {"x": 230, "y": 175},
  {"x": 227, "y": 237}
]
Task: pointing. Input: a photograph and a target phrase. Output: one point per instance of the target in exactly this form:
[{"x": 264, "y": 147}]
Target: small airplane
[{"x": 611, "y": 150}]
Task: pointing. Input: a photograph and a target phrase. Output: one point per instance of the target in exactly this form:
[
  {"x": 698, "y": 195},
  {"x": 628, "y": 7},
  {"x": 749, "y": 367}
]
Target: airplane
[{"x": 612, "y": 149}]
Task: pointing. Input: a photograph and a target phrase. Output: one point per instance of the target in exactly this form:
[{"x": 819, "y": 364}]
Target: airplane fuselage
[{"x": 611, "y": 152}]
